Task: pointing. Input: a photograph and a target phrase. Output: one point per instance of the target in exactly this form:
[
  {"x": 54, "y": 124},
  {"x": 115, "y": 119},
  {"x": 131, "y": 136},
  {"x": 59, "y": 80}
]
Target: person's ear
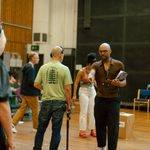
[{"x": 110, "y": 51}]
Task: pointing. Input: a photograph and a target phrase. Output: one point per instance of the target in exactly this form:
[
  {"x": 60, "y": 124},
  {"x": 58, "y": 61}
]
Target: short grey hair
[{"x": 31, "y": 54}]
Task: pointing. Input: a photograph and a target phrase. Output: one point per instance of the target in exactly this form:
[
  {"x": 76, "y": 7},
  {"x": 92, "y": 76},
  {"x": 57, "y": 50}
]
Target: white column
[
  {"x": 70, "y": 24},
  {"x": 63, "y": 23},
  {"x": 41, "y": 16},
  {"x": 58, "y": 19}
]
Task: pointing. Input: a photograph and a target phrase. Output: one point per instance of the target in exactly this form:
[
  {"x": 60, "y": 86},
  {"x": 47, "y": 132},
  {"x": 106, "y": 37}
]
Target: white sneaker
[
  {"x": 21, "y": 122},
  {"x": 13, "y": 129},
  {"x": 103, "y": 148},
  {"x": 34, "y": 130}
]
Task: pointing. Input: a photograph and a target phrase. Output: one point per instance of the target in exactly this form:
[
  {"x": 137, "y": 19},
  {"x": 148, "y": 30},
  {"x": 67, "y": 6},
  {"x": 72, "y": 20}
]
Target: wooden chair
[{"x": 143, "y": 97}]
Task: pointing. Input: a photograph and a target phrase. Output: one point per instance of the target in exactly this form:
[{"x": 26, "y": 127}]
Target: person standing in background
[
  {"x": 107, "y": 103},
  {"x": 54, "y": 79},
  {"x": 29, "y": 92},
  {"x": 6, "y": 137},
  {"x": 87, "y": 95}
]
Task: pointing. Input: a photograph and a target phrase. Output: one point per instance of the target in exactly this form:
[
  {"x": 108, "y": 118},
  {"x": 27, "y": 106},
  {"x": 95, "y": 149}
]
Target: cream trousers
[{"x": 87, "y": 98}]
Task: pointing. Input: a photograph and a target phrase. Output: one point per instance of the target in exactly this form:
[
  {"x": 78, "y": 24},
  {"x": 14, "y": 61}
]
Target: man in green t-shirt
[{"x": 54, "y": 80}]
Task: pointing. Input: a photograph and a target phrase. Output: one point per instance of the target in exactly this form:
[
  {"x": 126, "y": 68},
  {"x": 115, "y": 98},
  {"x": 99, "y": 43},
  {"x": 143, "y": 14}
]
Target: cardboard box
[{"x": 126, "y": 125}]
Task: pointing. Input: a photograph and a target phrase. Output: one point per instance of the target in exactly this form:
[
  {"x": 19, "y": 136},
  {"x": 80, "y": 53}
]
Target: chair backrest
[
  {"x": 143, "y": 94},
  {"x": 148, "y": 86}
]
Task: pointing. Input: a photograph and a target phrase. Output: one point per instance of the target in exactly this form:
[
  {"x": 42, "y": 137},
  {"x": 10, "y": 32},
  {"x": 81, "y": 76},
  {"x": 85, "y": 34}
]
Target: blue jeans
[
  {"x": 2, "y": 139},
  {"x": 54, "y": 110}
]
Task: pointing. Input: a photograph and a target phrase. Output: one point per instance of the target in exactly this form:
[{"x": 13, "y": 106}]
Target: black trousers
[
  {"x": 2, "y": 139},
  {"x": 106, "y": 112}
]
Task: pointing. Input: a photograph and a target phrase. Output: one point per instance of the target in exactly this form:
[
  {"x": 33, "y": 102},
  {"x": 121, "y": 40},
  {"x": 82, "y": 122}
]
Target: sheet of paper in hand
[{"x": 122, "y": 75}]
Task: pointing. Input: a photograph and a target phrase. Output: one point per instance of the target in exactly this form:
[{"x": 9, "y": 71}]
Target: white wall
[
  {"x": 57, "y": 18},
  {"x": 71, "y": 24},
  {"x": 41, "y": 16},
  {"x": 41, "y": 25},
  {"x": 63, "y": 23},
  {"x": 44, "y": 49}
]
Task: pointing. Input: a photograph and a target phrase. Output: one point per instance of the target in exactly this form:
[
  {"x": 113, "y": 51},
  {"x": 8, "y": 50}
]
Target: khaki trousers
[{"x": 27, "y": 101}]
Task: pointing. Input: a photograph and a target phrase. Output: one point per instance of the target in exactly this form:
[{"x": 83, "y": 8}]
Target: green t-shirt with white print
[{"x": 53, "y": 76}]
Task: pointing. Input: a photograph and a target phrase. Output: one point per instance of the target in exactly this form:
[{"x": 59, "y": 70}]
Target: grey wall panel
[
  {"x": 135, "y": 82},
  {"x": 80, "y": 8},
  {"x": 105, "y": 7},
  {"x": 107, "y": 29},
  {"x": 138, "y": 7},
  {"x": 125, "y": 25},
  {"x": 137, "y": 29},
  {"x": 82, "y": 52},
  {"x": 117, "y": 51},
  {"x": 137, "y": 58}
]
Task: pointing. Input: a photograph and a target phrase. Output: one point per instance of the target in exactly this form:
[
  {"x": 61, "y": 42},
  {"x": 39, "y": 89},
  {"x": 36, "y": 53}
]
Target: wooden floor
[{"x": 140, "y": 140}]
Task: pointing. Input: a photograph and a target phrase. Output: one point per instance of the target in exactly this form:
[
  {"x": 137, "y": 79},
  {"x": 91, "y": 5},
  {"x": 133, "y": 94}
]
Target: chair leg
[
  {"x": 138, "y": 106},
  {"x": 134, "y": 106},
  {"x": 148, "y": 107}
]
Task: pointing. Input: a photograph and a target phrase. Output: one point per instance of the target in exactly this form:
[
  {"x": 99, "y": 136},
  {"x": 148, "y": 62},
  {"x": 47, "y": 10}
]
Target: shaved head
[
  {"x": 56, "y": 51},
  {"x": 105, "y": 46},
  {"x": 105, "y": 51}
]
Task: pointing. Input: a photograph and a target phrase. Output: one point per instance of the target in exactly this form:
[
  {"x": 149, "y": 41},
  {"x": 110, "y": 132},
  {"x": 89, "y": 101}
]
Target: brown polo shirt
[{"x": 104, "y": 88}]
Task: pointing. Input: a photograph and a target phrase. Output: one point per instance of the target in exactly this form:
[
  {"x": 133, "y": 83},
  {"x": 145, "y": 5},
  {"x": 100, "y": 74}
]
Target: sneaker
[
  {"x": 13, "y": 129},
  {"x": 103, "y": 148},
  {"x": 34, "y": 130},
  {"x": 82, "y": 134},
  {"x": 21, "y": 122},
  {"x": 93, "y": 133}
]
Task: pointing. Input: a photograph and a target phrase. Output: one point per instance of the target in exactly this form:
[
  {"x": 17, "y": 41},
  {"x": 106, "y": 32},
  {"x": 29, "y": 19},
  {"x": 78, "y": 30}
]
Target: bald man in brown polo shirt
[{"x": 107, "y": 103}]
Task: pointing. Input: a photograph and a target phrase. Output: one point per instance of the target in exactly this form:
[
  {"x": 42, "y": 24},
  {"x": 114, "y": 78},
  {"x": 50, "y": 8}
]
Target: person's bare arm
[
  {"x": 118, "y": 83},
  {"x": 6, "y": 121},
  {"x": 85, "y": 77},
  {"x": 76, "y": 83},
  {"x": 92, "y": 76},
  {"x": 38, "y": 86},
  {"x": 123, "y": 83},
  {"x": 68, "y": 96}
]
